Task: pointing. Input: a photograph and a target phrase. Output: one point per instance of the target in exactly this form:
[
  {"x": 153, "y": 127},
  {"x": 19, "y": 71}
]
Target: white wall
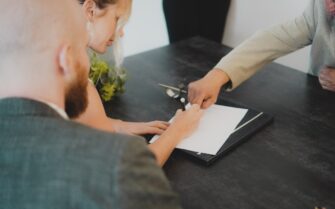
[
  {"x": 147, "y": 29},
  {"x": 247, "y": 16}
]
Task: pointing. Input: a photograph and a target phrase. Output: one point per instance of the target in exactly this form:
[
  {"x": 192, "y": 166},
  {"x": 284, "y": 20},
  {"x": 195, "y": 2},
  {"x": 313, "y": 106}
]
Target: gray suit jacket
[{"x": 48, "y": 162}]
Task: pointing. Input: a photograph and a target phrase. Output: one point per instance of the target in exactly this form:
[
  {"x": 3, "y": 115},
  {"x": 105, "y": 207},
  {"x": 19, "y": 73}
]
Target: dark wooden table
[{"x": 288, "y": 164}]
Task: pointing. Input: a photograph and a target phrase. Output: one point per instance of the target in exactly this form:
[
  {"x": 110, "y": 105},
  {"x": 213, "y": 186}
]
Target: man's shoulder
[
  {"x": 138, "y": 182},
  {"x": 117, "y": 168}
]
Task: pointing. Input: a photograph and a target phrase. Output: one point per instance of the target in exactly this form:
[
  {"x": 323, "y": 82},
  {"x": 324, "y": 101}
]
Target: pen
[
  {"x": 182, "y": 101},
  {"x": 173, "y": 88},
  {"x": 177, "y": 97}
]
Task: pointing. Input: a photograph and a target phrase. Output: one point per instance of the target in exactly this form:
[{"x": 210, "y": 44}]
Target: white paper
[{"x": 215, "y": 127}]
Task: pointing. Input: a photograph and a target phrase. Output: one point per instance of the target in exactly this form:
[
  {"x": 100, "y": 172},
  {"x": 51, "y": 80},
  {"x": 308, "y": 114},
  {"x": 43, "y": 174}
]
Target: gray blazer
[{"x": 48, "y": 162}]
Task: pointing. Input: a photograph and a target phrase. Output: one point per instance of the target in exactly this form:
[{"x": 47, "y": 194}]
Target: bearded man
[{"x": 46, "y": 160}]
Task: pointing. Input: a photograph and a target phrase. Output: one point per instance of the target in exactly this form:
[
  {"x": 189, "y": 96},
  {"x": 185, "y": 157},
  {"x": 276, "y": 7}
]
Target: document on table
[{"x": 215, "y": 127}]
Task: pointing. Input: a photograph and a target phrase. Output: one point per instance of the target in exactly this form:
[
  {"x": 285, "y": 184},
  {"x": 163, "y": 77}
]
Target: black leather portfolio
[{"x": 253, "y": 122}]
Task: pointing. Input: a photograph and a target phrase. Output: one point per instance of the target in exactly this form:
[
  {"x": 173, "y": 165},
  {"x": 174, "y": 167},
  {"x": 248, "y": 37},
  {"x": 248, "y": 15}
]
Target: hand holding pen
[
  {"x": 177, "y": 97},
  {"x": 176, "y": 93}
]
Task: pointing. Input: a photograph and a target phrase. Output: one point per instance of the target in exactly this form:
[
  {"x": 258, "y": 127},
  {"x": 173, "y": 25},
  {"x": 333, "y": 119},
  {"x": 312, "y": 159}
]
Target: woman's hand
[
  {"x": 140, "y": 128},
  {"x": 327, "y": 78},
  {"x": 186, "y": 122},
  {"x": 182, "y": 126}
]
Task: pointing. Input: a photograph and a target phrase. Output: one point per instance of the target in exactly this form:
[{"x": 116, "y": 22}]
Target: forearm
[
  {"x": 101, "y": 122},
  {"x": 266, "y": 46},
  {"x": 251, "y": 56},
  {"x": 164, "y": 145},
  {"x": 94, "y": 115}
]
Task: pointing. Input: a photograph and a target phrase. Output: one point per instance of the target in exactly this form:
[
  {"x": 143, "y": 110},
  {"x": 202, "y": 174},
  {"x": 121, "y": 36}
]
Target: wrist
[
  {"x": 218, "y": 77},
  {"x": 175, "y": 133}
]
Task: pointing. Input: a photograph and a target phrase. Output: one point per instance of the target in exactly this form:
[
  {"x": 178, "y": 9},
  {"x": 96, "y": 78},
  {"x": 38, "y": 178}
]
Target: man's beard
[{"x": 76, "y": 99}]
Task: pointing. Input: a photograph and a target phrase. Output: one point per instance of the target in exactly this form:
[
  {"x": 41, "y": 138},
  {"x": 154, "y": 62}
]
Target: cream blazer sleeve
[{"x": 267, "y": 45}]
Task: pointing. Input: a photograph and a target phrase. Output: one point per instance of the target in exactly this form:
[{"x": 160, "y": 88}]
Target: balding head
[
  {"x": 38, "y": 25},
  {"x": 43, "y": 52}
]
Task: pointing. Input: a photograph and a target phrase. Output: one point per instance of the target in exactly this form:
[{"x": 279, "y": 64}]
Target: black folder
[{"x": 252, "y": 122}]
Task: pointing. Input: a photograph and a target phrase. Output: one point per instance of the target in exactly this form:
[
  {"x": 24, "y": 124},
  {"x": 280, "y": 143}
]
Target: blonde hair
[{"x": 115, "y": 52}]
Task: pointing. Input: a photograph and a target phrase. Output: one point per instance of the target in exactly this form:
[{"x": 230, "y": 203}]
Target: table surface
[{"x": 288, "y": 164}]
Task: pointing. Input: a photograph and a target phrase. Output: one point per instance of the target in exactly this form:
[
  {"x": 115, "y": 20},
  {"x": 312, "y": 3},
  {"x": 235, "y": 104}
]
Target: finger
[
  {"x": 198, "y": 100},
  {"x": 207, "y": 103},
  {"x": 154, "y": 130},
  {"x": 324, "y": 77},
  {"x": 324, "y": 83},
  {"x": 195, "y": 107},
  {"x": 329, "y": 86},
  {"x": 194, "y": 92},
  {"x": 323, "y": 80},
  {"x": 191, "y": 93},
  {"x": 326, "y": 88},
  {"x": 327, "y": 74},
  {"x": 160, "y": 125},
  {"x": 165, "y": 124},
  {"x": 322, "y": 73},
  {"x": 195, "y": 97},
  {"x": 149, "y": 130}
]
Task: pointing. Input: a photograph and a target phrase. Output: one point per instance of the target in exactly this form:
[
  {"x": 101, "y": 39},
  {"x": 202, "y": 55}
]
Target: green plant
[{"x": 108, "y": 80}]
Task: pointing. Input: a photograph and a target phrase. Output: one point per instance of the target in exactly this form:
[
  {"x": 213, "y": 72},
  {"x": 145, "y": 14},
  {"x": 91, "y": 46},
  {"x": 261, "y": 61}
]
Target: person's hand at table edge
[{"x": 327, "y": 78}]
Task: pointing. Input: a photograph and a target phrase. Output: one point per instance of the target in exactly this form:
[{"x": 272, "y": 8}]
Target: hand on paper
[
  {"x": 140, "y": 128},
  {"x": 205, "y": 91},
  {"x": 186, "y": 122}
]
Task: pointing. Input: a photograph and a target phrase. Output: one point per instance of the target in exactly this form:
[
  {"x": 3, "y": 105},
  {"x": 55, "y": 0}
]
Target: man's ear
[
  {"x": 89, "y": 8},
  {"x": 66, "y": 61}
]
